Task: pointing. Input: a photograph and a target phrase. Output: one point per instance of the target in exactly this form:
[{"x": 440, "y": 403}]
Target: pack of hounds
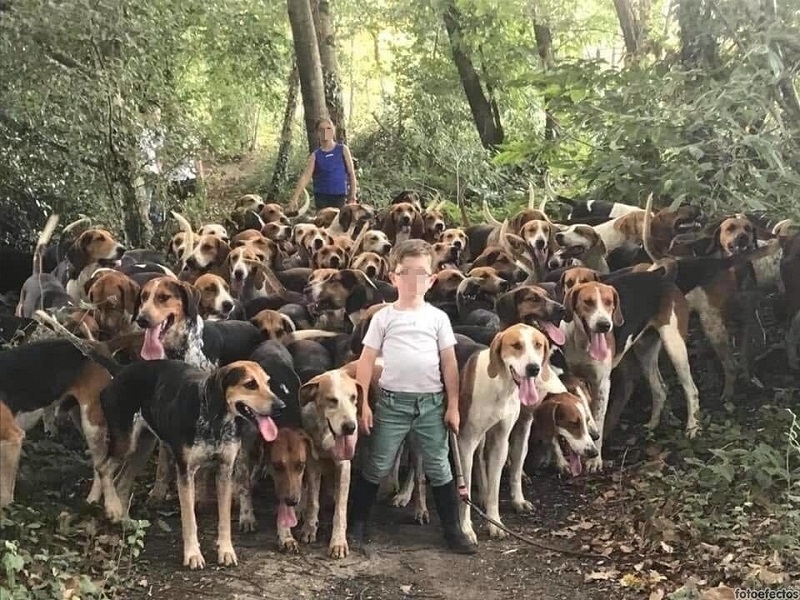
[{"x": 234, "y": 350}]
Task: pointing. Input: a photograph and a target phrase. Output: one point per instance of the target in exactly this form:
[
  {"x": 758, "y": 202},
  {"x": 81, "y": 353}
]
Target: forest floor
[{"x": 669, "y": 518}]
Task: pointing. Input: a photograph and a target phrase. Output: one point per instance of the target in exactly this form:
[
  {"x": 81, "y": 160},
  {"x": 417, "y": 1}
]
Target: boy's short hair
[{"x": 407, "y": 248}]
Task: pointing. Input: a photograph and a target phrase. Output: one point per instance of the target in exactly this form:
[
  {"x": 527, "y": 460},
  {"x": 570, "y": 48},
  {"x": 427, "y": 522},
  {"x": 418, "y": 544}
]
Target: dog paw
[
  {"x": 496, "y": 533},
  {"x": 289, "y": 545},
  {"x": 247, "y": 524},
  {"x": 522, "y": 506},
  {"x": 114, "y": 510},
  {"x": 692, "y": 431},
  {"x": 193, "y": 559},
  {"x": 401, "y": 500},
  {"x": 226, "y": 556},
  {"x": 338, "y": 549},
  {"x": 469, "y": 533},
  {"x": 422, "y": 516},
  {"x": 594, "y": 465},
  {"x": 95, "y": 495},
  {"x": 308, "y": 534}
]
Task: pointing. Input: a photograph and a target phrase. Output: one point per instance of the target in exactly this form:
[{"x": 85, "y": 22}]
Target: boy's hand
[
  {"x": 452, "y": 419},
  {"x": 365, "y": 420}
]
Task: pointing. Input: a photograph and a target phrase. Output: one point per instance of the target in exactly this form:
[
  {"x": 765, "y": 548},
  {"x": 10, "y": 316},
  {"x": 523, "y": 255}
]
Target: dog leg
[
  {"x": 599, "y": 407},
  {"x": 390, "y": 485},
  {"x": 403, "y": 497},
  {"x": 93, "y": 426},
  {"x": 518, "y": 450},
  {"x": 714, "y": 327},
  {"x": 11, "y": 437},
  {"x": 623, "y": 383},
  {"x": 49, "y": 420},
  {"x": 226, "y": 555},
  {"x": 192, "y": 557},
  {"x": 558, "y": 457},
  {"x": 468, "y": 440},
  {"x": 160, "y": 489},
  {"x": 134, "y": 464},
  {"x": 308, "y": 533},
  {"x": 421, "y": 514},
  {"x": 481, "y": 480},
  {"x": 497, "y": 442},
  {"x": 244, "y": 479},
  {"x": 676, "y": 349},
  {"x": 793, "y": 343},
  {"x": 647, "y": 350},
  {"x": 338, "y": 546}
]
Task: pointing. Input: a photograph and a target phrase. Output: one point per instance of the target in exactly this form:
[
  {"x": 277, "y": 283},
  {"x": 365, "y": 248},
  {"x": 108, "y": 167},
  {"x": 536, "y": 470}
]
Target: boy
[{"x": 418, "y": 348}]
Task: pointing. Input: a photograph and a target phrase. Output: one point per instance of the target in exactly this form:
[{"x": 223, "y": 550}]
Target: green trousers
[{"x": 395, "y": 415}]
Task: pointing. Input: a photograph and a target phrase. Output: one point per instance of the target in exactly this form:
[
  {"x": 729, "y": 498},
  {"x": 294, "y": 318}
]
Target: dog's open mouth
[
  {"x": 687, "y": 225},
  {"x": 344, "y": 445},
  {"x": 153, "y": 347},
  {"x": 265, "y": 425},
  {"x": 553, "y": 332},
  {"x": 528, "y": 394},
  {"x": 573, "y": 459},
  {"x": 286, "y": 516}
]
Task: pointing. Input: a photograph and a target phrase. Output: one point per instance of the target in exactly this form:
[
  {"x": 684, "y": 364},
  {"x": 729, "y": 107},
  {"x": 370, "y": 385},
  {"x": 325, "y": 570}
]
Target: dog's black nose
[
  {"x": 348, "y": 428},
  {"x": 560, "y": 238},
  {"x": 143, "y": 322},
  {"x": 603, "y": 326},
  {"x": 227, "y": 305},
  {"x": 277, "y": 405},
  {"x": 318, "y": 244},
  {"x": 335, "y": 262},
  {"x": 406, "y": 220},
  {"x": 291, "y": 501},
  {"x": 591, "y": 452},
  {"x": 439, "y": 226},
  {"x": 238, "y": 274},
  {"x": 120, "y": 251},
  {"x": 594, "y": 434},
  {"x": 191, "y": 262},
  {"x": 557, "y": 311},
  {"x": 540, "y": 244},
  {"x": 532, "y": 370},
  {"x": 553, "y": 263}
]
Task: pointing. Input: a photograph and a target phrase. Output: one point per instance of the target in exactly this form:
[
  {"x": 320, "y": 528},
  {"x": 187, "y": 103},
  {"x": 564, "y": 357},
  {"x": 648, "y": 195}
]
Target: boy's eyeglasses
[{"x": 413, "y": 272}]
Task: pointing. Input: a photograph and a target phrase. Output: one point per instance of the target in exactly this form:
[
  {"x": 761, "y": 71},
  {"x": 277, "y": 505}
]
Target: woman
[{"x": 331, "y": 167}]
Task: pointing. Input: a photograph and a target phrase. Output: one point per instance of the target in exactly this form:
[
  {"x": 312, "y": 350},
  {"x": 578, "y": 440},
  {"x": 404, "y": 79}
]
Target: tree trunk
[
  {"x": 788, "y": 93},
  {"x": 544, "y": 46},
  {"x": 309, "y": 67},
  {"x": 698, "y": 47},
  {"x": 484, "y": 110},
  {"x": 282, "y": 160},
  {"x": 629, "y": 26},
  {"x": 326, "y": 40}
]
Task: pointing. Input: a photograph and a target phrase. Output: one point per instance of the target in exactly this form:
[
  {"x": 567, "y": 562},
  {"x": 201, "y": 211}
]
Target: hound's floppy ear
[
  {"x": 570, "y": 299},
  {"x": 545, "y": 373},
  {"x": 383, "y": 270},
  {"x": 617, "y": 316},
  {"x": 312, "y": 449},
  {"x": 190, "y": 296},
  {"x": 224, "y": 249},
  {"x": 495, "y": 360},
  {"x": 506, "y": 307},
  {"x": 346, "y": 216},
  {"x": 307, "y": 392},
  {"x": 77, "y": 253},
  {"x": 288, "y": 323},
  {"x": 363, "y": 292},
  {"x": 130, "y": 294}
]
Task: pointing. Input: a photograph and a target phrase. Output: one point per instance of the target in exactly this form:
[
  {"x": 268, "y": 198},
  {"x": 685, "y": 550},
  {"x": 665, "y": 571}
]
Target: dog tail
[
  {"x": 41, "y": 243},
  {"x": 555, "y": 196},
  {"x": 95, "y": 352},
  {"x": 648, "y": 207},
  {"x": 308, "y": 334},
  {"x": 487, "y": 214},
  {"x": 269, "y": 276},
  {"x": 306, "y": 204},
  {"x": 188, "y": 242}
]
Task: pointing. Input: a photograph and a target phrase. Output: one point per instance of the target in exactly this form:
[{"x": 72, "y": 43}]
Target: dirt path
[{"x": 406, "y": 560}]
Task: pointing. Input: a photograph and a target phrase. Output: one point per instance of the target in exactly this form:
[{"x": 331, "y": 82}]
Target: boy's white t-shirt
[{"x": 410, "y": 342}]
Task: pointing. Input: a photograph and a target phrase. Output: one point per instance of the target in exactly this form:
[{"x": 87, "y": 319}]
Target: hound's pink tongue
[
  {"x": 554, "y": 333},
  {"x": 598, "y": 346},
  {"x": 528, "y": 394},
  {"x": 541, "y": 256},
  {"x": 286, "y": 516},
  {"x": 152, "y": 348},
  {"x": 344, "y": 447},
  {"x": 267, "y": 428},
  {"x": 575, "y": 465}
]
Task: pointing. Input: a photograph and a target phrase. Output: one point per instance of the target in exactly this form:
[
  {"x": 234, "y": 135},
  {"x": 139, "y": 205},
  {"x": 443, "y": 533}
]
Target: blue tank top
[{"x": 330, "y": 173}]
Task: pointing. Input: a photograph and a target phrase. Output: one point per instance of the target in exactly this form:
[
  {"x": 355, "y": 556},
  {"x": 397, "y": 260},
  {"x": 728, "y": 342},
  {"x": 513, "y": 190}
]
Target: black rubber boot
[
  {"x": 362, "y": 497},
  {"x": 446, "y": 500}
]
